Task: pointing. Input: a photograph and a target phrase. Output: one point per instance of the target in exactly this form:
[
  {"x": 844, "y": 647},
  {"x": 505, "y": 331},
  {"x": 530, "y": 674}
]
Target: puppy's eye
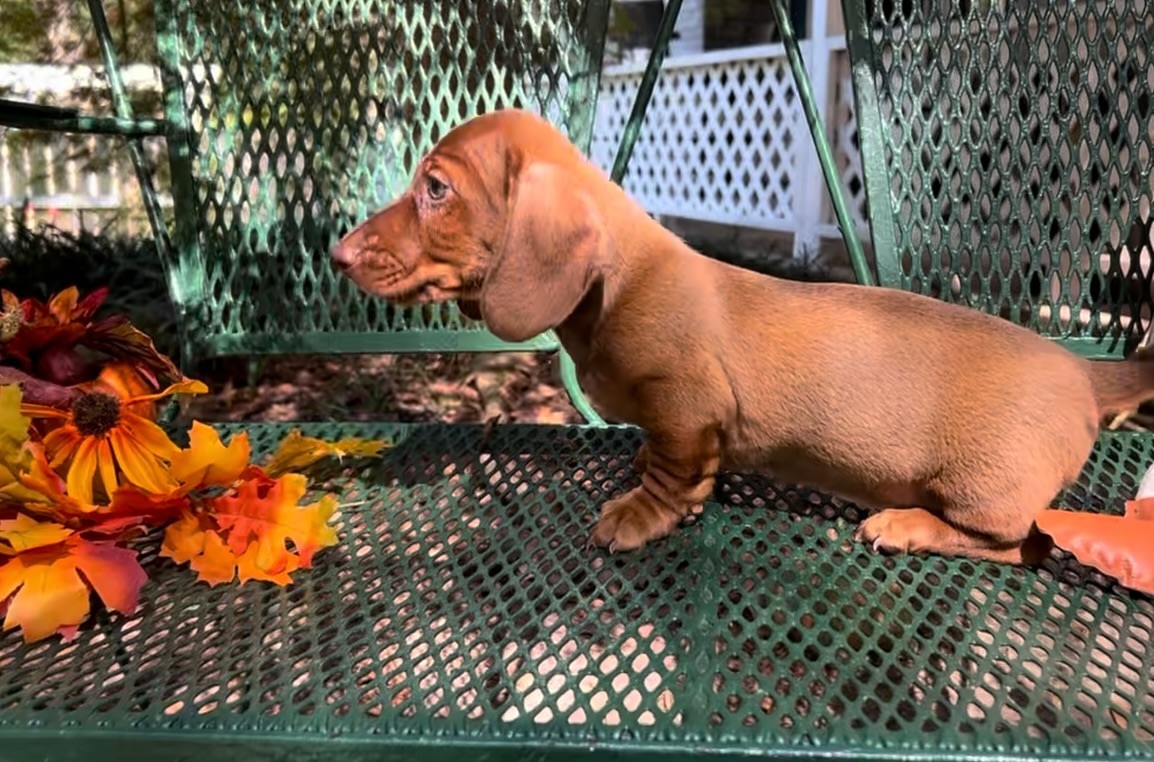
[{"x": 436, "y": 188}]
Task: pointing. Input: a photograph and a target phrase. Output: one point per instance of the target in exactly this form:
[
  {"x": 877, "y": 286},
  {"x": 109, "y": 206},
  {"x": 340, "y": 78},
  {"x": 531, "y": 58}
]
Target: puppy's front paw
[
  {"x": 898, "y": 530},
  {"x": 630, "y": 521}
]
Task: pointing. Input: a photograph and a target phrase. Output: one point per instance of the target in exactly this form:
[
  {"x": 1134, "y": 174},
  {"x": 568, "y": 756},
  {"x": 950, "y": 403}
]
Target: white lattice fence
[
  {"x": 72, "y": 181},
  {"x": 725, "y": 139}
]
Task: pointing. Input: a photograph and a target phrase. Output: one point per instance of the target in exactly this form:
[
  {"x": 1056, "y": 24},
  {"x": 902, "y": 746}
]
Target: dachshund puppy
[{"x": 957, "y": 427}]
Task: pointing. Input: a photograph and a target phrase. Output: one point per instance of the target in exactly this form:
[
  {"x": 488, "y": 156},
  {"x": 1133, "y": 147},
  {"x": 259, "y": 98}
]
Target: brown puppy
[{"x": 959, "y": 425}]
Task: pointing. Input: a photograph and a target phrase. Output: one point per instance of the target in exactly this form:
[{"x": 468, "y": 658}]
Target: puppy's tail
[{"x": 1123, "y": 385}]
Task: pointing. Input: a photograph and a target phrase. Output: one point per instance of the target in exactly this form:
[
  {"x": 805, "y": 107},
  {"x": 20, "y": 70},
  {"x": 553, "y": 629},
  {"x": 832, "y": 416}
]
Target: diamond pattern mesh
[
  {"x": 1013, "y": 155},
  {"x": 464, "y": 608},
  {"x": 305, "y": 116}
]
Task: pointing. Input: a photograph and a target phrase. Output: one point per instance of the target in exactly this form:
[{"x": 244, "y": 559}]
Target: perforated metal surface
[
  {"x": 294, "y": 119},
  {"x": 1008, "y": 154},
  {"x": 464, "y": 609}
]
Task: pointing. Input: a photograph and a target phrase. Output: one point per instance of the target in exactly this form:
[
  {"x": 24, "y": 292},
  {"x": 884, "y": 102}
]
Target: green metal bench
[{"x": 463, "y": 614}]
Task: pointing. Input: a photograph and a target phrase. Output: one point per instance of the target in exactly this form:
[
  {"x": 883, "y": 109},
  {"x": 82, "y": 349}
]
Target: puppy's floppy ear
[{"x": 553, "y": 250}]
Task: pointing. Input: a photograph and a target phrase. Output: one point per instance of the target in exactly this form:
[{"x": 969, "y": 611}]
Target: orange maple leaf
[
  {"x": 25, "y": 533},
  {"x": 271, "y": 516},
  {"x": 49, "y": 586},
  {"x": 247, "y": 535},
  {"x": 207, "y": 461},
  {"x": 193, "y": 541}
]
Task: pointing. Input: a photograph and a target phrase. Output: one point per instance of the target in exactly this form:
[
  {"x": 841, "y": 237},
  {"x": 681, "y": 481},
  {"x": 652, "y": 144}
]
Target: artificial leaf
[
  {"x": 25, "y": 533},
  {"x": 132, "y": 509},
  {"x": 118, "y": 337},
  {"x": 216, "y": 564},
  {"x": 13, "y": 424},
  {"x": 297, "y": 451},
  {"x": 61, "y": 323},
  {"x": 184, "y": 538},
  {"x": 49, "y": 587},
  {"x": 192, "y": 540},
  {"x": 252, "y": 566},
  {"x": 207, "y": 461},
  {"x": 15, "y": 456},
  {"x": 42, "y": 488},
  {"x": 1121, "y": 546},
  {"x": 271, "y": 517}
]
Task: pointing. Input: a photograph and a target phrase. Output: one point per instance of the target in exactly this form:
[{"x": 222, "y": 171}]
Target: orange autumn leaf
[
  {"x": 25, "y": 533},
  {"x": 1121, "y": 546},
  {"x": 271, "y": 517},
  {"x": 184, "y": 538},
  {"x": 194, "y": 541},
  {"x": 49, "y": 587},
  {"x": 216, "y": 564},
  {"x": 207, "y": 461},
  {"x": 251, "y": 566},
  {"x": 297, "y": 451}
]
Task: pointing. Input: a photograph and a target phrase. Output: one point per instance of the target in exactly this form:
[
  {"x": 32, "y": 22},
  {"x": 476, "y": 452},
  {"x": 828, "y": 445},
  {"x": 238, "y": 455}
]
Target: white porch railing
[{"x": 725, "y": 139}]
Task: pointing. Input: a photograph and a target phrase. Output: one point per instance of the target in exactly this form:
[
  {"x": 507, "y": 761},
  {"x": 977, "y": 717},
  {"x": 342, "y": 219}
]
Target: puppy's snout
[{"x": 344, "y": 255}]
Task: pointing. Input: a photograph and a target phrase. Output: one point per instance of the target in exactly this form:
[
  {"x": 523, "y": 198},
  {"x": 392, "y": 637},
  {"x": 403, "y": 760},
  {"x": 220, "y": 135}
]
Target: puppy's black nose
[{"x": 343, "y": 255}]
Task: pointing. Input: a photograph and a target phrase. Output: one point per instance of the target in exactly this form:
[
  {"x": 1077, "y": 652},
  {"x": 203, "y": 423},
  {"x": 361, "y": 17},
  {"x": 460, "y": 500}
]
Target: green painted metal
[
  {"x": 94, "y": 125},
  {"x": 645, "y": 90},
  {"x": 275, "y": 161},
  {"x": 825, "y": 159},
  {"x": 1007, "y": 153},
  {"x": 463, "y": 614},
  {"x": 124, "y": 114}
]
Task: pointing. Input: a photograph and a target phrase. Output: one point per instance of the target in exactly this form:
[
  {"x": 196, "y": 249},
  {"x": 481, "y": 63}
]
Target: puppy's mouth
[{"x": 411, "y": 288}]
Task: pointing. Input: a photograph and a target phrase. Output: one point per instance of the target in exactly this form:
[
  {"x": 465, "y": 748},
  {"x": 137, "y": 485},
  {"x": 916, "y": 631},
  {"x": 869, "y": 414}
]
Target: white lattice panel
[{"x": 719, "y": 142}]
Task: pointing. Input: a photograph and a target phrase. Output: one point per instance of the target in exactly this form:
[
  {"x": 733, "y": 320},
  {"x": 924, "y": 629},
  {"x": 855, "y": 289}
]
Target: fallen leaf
[
  {"x": 297, "y": 451},
  {"x": 271, "y": 517},
  {"x": 49, "y": 587},
  {"x": 25, "y": 533},
  {"x": 1121, "y": 546},
  {"x": 184, "y": 538},
  {"x": 207, "y": 461}
]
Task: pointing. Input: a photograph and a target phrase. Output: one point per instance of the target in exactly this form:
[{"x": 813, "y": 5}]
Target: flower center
[{"x": 95, "y": 413}]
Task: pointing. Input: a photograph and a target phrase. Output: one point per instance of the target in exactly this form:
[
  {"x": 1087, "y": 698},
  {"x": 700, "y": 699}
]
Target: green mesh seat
[{"x": 463, "y": 614}]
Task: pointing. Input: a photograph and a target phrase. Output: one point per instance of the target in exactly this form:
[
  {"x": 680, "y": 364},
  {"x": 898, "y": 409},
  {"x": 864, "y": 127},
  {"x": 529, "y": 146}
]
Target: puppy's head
[{"x": 501, "y": 216}]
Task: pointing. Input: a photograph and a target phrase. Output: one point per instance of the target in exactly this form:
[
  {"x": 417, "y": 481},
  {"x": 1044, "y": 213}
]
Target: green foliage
[
  {"x": 21, "y": 30},
  {"x": 60, "y": 31}
]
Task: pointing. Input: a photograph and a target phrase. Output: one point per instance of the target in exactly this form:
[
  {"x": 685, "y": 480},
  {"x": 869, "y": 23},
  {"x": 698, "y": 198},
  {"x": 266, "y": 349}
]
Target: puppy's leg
[
  {"x": 641, "y": 459},
  {"x": 916, "y": 530},
  {"x": 678, "y": 470}
]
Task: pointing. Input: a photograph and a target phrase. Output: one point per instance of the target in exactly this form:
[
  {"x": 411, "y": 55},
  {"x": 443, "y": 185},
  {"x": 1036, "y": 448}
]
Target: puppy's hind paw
[{"x": 898, "y": 530}]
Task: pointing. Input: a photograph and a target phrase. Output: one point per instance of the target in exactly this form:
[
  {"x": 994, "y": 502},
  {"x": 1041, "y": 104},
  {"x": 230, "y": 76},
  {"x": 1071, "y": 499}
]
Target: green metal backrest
[
  {"x": 292, "y": 120},
  {"x": 1007, "y": 148}
]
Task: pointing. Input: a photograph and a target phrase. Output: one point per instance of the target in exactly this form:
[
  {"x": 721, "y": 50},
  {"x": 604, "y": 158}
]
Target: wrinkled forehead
[{"x": 490, "y": 135}]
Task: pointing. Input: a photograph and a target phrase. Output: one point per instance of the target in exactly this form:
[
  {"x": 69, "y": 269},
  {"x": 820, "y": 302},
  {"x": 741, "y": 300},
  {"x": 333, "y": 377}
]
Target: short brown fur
[{"x": 957, "y": 426}]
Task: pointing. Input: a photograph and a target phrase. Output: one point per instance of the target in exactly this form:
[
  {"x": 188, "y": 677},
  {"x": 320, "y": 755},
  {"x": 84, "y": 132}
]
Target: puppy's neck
[{"x": 577, "y": 331}]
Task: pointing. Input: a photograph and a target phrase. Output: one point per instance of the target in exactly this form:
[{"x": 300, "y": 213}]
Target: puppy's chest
[{"x": 607, "y": 391}]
